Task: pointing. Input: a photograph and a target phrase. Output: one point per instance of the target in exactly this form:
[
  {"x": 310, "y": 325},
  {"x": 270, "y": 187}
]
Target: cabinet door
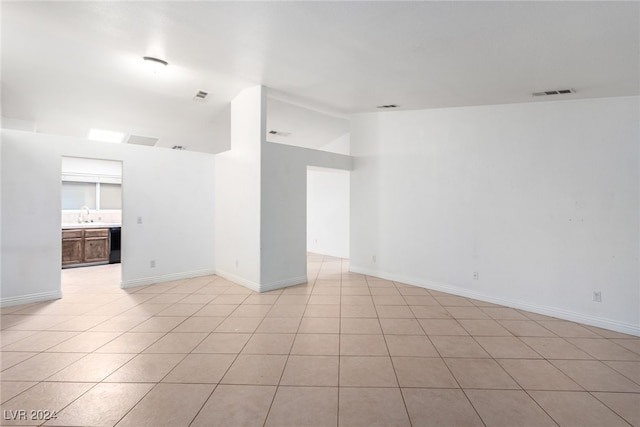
[
  {"x": 96, "y": 249},
  {"x": 72, "y": 251}
]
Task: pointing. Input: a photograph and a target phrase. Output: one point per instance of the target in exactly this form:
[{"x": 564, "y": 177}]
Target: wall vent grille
[
  {"x": 201, "y": 95},
  {"x": 554, "y": 92}
]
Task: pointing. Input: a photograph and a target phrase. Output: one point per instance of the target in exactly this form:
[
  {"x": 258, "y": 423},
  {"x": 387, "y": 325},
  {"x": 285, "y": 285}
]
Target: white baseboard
[
  {"x": 614, "y": 325},
  {"x": 264, "y": 287},
  {"x": 239, "y": 280},
  {"x": 165, "y": 278},
  {"x": 30, "y": 298}
]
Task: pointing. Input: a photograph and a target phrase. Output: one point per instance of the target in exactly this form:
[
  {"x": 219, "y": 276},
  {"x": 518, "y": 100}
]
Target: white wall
[
  {"x": 540, "y": 199},
  {"x": 170, "y": 190},
  {"x": 238, "y": 191},
  {"x": 328, "y": 212}
]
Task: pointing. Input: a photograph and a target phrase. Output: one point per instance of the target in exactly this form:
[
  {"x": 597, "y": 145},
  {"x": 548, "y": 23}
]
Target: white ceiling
[{"x": 71, "y": 66}]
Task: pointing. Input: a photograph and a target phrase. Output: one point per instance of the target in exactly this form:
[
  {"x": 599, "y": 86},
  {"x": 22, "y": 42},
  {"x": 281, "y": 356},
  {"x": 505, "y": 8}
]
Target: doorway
[{"x": 91, "y": 218}]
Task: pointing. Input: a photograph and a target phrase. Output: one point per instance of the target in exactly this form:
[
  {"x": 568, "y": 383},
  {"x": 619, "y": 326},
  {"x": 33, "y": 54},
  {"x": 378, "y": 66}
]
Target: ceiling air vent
[
  {"x": 554, "y": 92},
  {"x": 201, "y": 95},
  {"x": 142, "y": 140},
  {"x": 279, "y": 133},
  {"x": 178, "y": 147},
  {"x": 387, "y": 106}
]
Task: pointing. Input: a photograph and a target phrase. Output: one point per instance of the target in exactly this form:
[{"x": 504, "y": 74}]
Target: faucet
[{"x": 81, "y": 217}]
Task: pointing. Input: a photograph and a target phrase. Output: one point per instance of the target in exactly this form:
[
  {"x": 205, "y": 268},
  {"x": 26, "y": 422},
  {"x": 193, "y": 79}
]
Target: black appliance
[{"x": 114, "y": 239}]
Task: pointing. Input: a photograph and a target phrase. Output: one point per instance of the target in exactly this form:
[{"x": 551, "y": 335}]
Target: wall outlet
[
  {"x": 237, "y": 263},
  {"x": 139, "y": 220},
  {"x": 152, "y": 263},
  {"x": 373, "y": 258},
  {"x": 597, "y": 296},
  {"x": 475, "y": 275}
]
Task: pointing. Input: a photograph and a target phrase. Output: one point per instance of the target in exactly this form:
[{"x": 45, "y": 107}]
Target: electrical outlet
[
  {"x": 139, "y": 220},
  {"x": 152, "y": 263},
  {"x": 475, "y": 275},
  {"x": 597, "y": 296},
  {"x": 237, "y": 263},
  {"x": 373, "y": 258}
]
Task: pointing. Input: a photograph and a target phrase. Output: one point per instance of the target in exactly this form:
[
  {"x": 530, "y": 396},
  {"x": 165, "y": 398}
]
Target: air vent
[
  {"x": 178, "y": 147},
  {"x": 201, "y": 95},
  {"x": 554, "y": 92},
  {"x": 142, "y": 140},
  {"x": 387, "y": 106},
  {"x": 279, "y": 133}
]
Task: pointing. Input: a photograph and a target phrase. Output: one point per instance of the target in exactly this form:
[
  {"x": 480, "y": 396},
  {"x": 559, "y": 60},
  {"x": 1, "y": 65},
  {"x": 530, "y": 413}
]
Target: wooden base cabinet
[{"x": 85, "y": 246}]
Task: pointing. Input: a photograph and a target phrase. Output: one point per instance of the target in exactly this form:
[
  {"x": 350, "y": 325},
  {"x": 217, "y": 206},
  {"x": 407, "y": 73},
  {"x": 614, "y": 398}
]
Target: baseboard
[
  {"x": 165, "y": 278},
  {"x": 30, "y": 298},
  {"x": 614, "y": 325},
  {"x": 239, "y": 280},
  {"x": 265, "y": 287}
]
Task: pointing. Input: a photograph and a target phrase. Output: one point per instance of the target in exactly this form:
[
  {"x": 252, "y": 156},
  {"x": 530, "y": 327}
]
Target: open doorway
[
  {"x": 328, "y": 212},
  {"x": 91, "y": 200}
]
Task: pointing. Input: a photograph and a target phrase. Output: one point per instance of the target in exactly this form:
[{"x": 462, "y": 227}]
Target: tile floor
[{"x": 345, "y": 350}]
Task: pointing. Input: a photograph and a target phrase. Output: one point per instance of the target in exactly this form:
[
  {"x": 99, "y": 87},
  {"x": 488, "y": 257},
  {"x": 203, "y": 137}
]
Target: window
[{"x": 94, "y": 195}]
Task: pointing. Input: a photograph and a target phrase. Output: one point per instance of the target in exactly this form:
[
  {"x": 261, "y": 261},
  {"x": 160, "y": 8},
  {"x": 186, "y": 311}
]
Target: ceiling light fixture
[
  {"x": 155, "y": 64},
  {"x": 105, "y": 135}
]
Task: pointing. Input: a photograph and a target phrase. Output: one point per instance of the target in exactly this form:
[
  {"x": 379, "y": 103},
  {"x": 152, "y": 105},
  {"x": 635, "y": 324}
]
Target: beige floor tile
[
  {"x": 233, "y": 406},
  {"x": 159, "y": 324},
  {"x": 565, "y": 329},
  {"x": 453, "y": 301},
  {"x": 410, "y": 345},
  {"x": 10, "y": 389},
  {"x": 120, "y": 323},
  {"x": 357, "y": 311},
  {"x": 326, "y": 290},
  {"x": 356, "y": 371},
  {"x": 80, "y": 323},
  {"x": 394, "y": 312},
  {"x": 292, "y": 299},
  {"x": 9, "y": 337},
  {"x": 131, "y": 342},
  {"x": 423, "y": 372},
  {"x": 389, "y": 300},
  {"x": 508, "y": 408},
  {"x": 413, "y": 290},
  {"x": 269, "y": 344},
  {"x": 357, "y": 291},
  {"x": 486, "y": 328},
  {"x": 626, "y": 405},
  {"x": 372, "y": 407},
  {"x": 630, "y": 370},
  {"x": 363, "y": 345},
  {"x": 629, "y": 344},
  {"x": 324, "y": 299},
  {"x": 239, "y": 324},
  {"x": 480, "y": 373},
  {"x": 458, "y": 346},
  {"x": 279, "y": 325},
  {"x": 85, "y": 342},
  {"x": 200, "y": 369},
  {"x": 442, "y": 327},
  {"x": 177, "y": 342},
  {"x": 199, "y": 324},
  {"x": 40, "y": 341},
  {"x": 537, "y": 375},
  {"x": 438, "y": 407},
  {"x": 320, "y": 407},
  {"x": 50, "y": 397},
  {"x": 316, "y": 344},
  {"x": 526, "y": 328},
  {"x": 555, "y": 348},
  {"x": 579, "y": 409},
  {"x": 507, "y": 348},
  {"x": 146, "y": 368},
  {"x": 311, "y": 371},
  {"x": 181, "y": 310},
  {"x": 503, "y": 313},
  {"x": 360, "y": 326},
  {"x": 217, "y": 310},
  {"x": 401, "y": 327},
  {"x": 11, "y": 358},
  {"x": 251, "y": 310},
  {"x": 222, "y": 343},
  {"x": 467, "y": 313},
  {"x": 293, "y": 311},
  {"x": 430, "y": 312},
  {"x": 227, "y": 299},
  {"x": 419, "y": 299},
  {"x": 318, "y": 325},
  {"x": 255, "y": 370},
  {"x": 168, "y": 405},
  {"x": 261, "y": 299},
  {"x": 384, "y": 291},
  {"x": 202, "y": 296},
  {"x": 39, "y": 367},
  {"x": 604, "y": 349},
  {"x": 594, "y": 375},
  {"x": 93, "y": 367}
]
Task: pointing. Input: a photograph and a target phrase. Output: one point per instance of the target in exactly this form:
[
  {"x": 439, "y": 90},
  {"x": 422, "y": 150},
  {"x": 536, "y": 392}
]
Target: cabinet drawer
[
  {"x": 72, "y": 234},
  {"x": 96, "y": 232}
]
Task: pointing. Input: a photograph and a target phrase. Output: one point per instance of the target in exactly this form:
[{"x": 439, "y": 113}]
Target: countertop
[{"x": 76, "y": 225}]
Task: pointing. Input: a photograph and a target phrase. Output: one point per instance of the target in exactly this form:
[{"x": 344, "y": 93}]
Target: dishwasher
[{"x": 114, "y": 240}]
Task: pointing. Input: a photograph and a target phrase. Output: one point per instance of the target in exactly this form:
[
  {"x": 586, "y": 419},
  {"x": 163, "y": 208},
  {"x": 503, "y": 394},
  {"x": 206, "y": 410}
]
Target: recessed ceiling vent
[
  {"x": 142, "y": 140},
  {"x": 178, "y": 147},
  {"x": 387, "y": 106},
  {"x": 279, "y": 133},
  {"x": 554, "y": 92},
  {"x": 201, "y": 96}
]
